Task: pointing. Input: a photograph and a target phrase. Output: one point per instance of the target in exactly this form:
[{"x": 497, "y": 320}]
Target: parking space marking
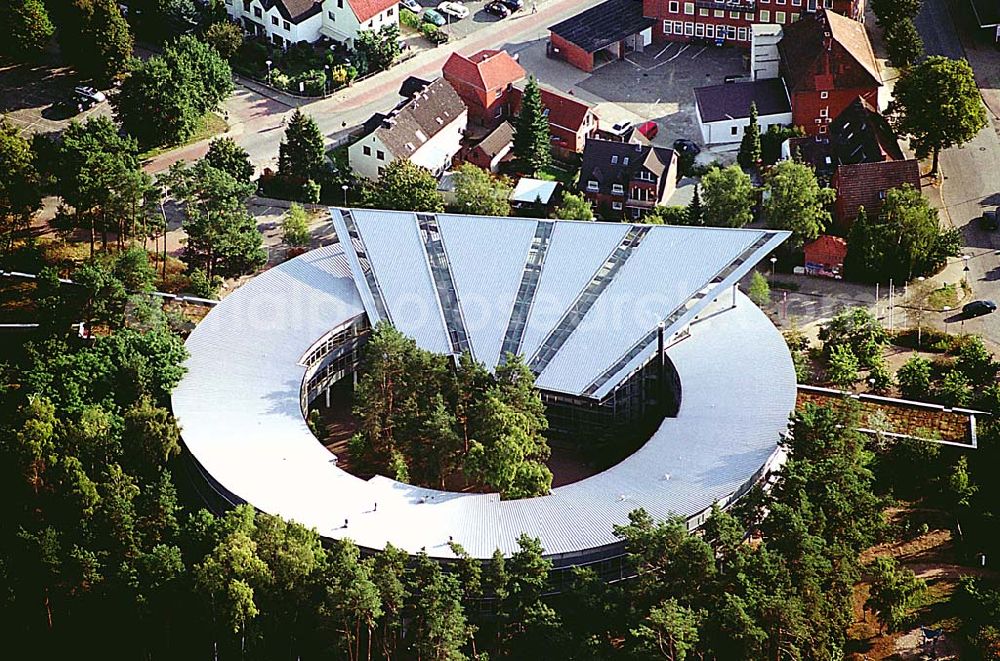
[
  {"x": 663, "y": 50},
  {"x": 703, "y": 49},
  {"x": 678, "y": 53}
]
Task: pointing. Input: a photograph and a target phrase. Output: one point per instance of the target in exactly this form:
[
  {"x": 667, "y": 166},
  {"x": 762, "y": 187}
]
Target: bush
[
  {"x": 295, "y": 227},
  {"x": 409, "y": 19},
  {"x": 201, "y": 286},
  {"x": 433, "y": 34},
  {"x": 309, "y": 83}
]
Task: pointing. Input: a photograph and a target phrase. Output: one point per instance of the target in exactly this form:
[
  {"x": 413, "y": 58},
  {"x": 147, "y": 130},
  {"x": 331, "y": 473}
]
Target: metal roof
[
  {"x": 601, "y": 285},
  {"x": 239, "y": 410}
]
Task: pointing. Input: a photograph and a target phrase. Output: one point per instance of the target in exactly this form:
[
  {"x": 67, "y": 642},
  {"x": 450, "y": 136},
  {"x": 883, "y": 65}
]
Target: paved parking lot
[
  {"x": 476, "y": 20},
  {"x": 32, "y": 97}
]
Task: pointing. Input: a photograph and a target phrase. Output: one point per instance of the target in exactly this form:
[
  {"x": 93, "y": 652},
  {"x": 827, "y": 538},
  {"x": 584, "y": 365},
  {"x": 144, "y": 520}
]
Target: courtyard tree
[
  {"x": 727, "y": 197},
  {"x": 93, "y": 37},
  {"x": 759, "y": 291},
  {"x": 894, "y": 590},
  {"x": 749, "y": 154},
  {"x": 888, "y": 12},
  {"x": 20, "y": 185},
  {"x": 843, "y": 367},
  {"x": 670, "y": 631},
  {"x": 25, "y": 28},
  {"x": 859, "y": 330},
  {"x": 796, "y": 202},
  {"x": 532, "y": 141},
  {"x": 772, "y": 139},
  {"x": 224, "y": 154},
  {"x": 225, "y": 37},
  {"x": 573, "y": 207},
  {"x": 380, "y": 48},
  {"x": 295, "y": 227},
  {"x": 936, "y": 104},
  {"x": 903, "y": 43},
  {"x": 695, "y": 209},
  {"x": 404, "y": 186},
  {"x": 914, "y": 378},
  {"x": 301, "y": 157},
  {"x": 479, "y": 192}
]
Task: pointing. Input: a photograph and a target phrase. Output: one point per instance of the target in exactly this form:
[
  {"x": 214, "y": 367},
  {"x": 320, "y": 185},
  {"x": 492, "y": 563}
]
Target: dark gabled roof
[
  {"x": 603, "y": 24},
  {"x": 628, "y": 159},
  {"x": 860, "y": 134},
  {"x": 987, "y": 12},
  {"x": 295, "y": 11},
  {"x": 411, "y": 86},
  {"x": 732, "y": 100},
  {"x": 498, "y": 139},
  {"x": 420, "y": 118},
  {"x": 826, "y": 43},
  {"x": 863, "y": 184}
]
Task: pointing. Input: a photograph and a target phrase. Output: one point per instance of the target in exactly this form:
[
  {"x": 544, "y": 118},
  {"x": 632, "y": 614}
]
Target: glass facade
[
  {"x": 443, "y": 282},
  {"x": 526, "y": 291}
]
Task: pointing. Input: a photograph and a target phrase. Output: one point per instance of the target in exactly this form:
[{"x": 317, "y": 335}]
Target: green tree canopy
[
  {"x": 937, "y": 105},
  {"x": 532, "y": 140},
  {"x": 759, "y": 291},
  {"x": 893, "y": 591},
  {"x": 224, "y": 154},
  {"x": 25, "y": 28},
  {"x": 404, "y": 186},
  {"x": 295, "y": 227},
  {"x": 795, "y": 201},
  {"x": 888, "y": 12},
  {"x": 573, "y": 207},
  {"x": 20, "y": 185},
  {"x": 225, "y": 37},
  {"x": 479, "y": 192},
  {"x": 380, "y": 47},
  {"x": 749, "y": 155},
  {"x": 859, "y": 330},
  {"x": 301, "y": 155},
  {"x": 727, "y": 197},
  {"x": 904, "y": 43},
  {"x": 93, "y": 37}
]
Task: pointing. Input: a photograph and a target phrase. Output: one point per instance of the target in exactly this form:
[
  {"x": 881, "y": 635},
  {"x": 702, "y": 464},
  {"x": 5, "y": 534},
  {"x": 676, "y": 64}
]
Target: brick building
[
  {"x": 827, "y": 62},
  {"x": 604, "y": 33},
  {"x": 729, "y": 21},
  {"x": 484, "y": 82},
  {"x": 622, "y": 179},
  {"x": 571, "y": 121}
]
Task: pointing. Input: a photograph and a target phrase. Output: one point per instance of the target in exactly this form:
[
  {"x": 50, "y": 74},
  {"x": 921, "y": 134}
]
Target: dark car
[
  {"x": 991, "y": 219},
  {"x": 513, "y": 5},
  {"x": 978, "y": 308},
  {"x": 497, "y": 8},
  {"x": 686, "y": 146}
]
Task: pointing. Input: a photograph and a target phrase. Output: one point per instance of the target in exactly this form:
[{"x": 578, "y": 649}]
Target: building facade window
[
  {"x": 703, "y": 12},
  {"x": 710, "y": 31},
  {"x": 779, "y": 17},
  {"x": 731, "y": 32},
  {"x": 733, "y": 130},
  {"x": 719, "y": 13},
  {"x": 678, "y": 27},
  {"x": 699, "y": 29},
  {"x": 668, "y": 27},
  {"x": 367, "y": 150},
  {"x": 257, "y": 13},
  {"x": 734, "y": 14},
  {"x": 824, "y": 112},
  {"x": 765, "y": 16},
  {"x": 380, "y": 155},
  {"x": 592, "y": 185},
  {"x": 743, "y": 34},
  {"x": 673, "y": 6},
  {"x": 287, "y": 25},
  {"x": 617, "y": 206},
  {"x": 689, "y": 9},
  {"x": 824, "y": 95},
  {"x": 274, "y": 20},
  {"x": 617, "y": 189},
  {"x": 689, "y": 29}
]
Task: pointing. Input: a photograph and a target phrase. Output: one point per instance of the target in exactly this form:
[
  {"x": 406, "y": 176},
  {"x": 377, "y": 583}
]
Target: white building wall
[
  {"x": 341, "y": 24},
  {"x": 722, "y": 132},
  {"x": 307, "y": 30},
  {"x": 764, "y": 58},
  {"x": 437, "y": 153},
  {"x": 367, "y": 165}
]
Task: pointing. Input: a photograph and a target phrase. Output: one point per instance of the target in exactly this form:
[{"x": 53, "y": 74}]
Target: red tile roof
[
  {"x": 365, "y": 9},
  {"x": 564, "y": 111},
  {"x": 862, "y": 184},
  {"x": 827, "y": 45},
  {"x": 486, "y": 70}
]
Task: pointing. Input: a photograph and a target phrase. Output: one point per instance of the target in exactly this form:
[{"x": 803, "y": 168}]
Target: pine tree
[
  {"x": 695, "y": 212},
  {"x": 300, "y": 154},
  {"x": 749, "y": 154},
  {"x": 532, "y": 142}
]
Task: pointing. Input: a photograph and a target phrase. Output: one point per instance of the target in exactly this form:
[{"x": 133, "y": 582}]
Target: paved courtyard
[{"x": 33, "y": 97}]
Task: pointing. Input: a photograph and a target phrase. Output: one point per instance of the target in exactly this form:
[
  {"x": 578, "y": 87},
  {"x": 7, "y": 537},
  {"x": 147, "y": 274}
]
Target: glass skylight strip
[
  {"x": 672, "y": 318},
  {"x": 575, "y": 314},
  {"x": 352, "y": 231},
  {"x": 526, "y": 291},
  {"x": 444, "y": 283}
]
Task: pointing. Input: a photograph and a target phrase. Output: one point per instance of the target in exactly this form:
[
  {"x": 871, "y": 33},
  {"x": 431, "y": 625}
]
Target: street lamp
[
  {"x": 327, "y": 82},
  {"x": 965, "y": 269},
  {"x": 946, "y": 309},
  {"x": 344, "y": 188},
  {"x": 268, "y": 63},
  {"x": 774, "y": 260},
  {"x": 920, "y": 310}
]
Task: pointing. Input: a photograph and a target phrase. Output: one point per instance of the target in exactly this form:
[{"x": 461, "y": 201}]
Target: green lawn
[
  {"x": 209, "y": 125},
  {"x": 558, "y": 173},
  {"x": 943, "y": 297}
]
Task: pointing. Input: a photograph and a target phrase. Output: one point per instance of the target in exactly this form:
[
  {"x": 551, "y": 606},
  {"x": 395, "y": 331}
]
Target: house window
[
  {"x": 617, "y": 189},
  {"x": 794, "y": 16},
  {"x": 277, "y": 40},
  {"x": 699, "y": 30},
  {"x": 824, "y": 95},
  {"x": 779, "y": 17},
  {"x": 614, "y": 159},
  {"x": 765, "y": 16},
  {"x": 822, "y": 130},
  {"x": 733, "y": 129},
  {"x": 592, "y": 185},
  {"x": 246, "y": 5},
  {"x": 625, "y": 161},
  {"x": 274, "y": 20},
  {"x": 743, "y": 34},
  {"x": 678, "y": 27},
  {"x": 287, "y": 26},
  {"x": 617, "y": 206},
  {"x": 256, "y": 12},
  {"x": 367, "y": 150},
  {"x": 881, "y": 195},
  {"x": 731, "y": 32},
  {"x": 380, "y": 155},
  {"x": 668, "y": 27},
  {"x": 719, "y": 13},
  {"x": 673, "y": 6},
  {"x": 703, "y": 12},
  {"x": 689, "y": 29},
  {"x": 710, "y": 31},
  {"x": 780, "y": 2},
  {"x": 734, "y": 14},
  {"x": 824, "y": 112},
  {"x": 333, "y": 17},
  {"x": 389, "y": 12},
  {"x": 689, "y": 9},
  {"x": 796, "y": 3},
  {"x": 340, "y": 4}
]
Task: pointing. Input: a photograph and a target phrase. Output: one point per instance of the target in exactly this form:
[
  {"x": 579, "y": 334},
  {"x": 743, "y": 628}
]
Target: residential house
[
  {"x": 571, "y": 121},
  {"x": 730, "y": 21},
  {"x": 622, "y": 179},
  {"x": 492, "y": 150},
  {"x": 723, "y": 111},
  {"x": 825, "y": 256},
  {"x": 827, "y": 62},
  {"x": 427, "y": 130},
  {"x": 865, "y": 185},
  {"x": 287, "y": 22},
  {"x": 601, "y": 34},
  {"x": 484, "y": 81}
]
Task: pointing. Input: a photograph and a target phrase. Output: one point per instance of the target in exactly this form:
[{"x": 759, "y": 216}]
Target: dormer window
[
  {"x": 592, "y": 185},
  {"x": 625, "y": 161},
  {"x": 617, "y": 189},
  {"x": 614, "y": 160}
]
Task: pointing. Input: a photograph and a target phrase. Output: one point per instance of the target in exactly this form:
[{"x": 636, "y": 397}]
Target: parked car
[
  {"x": 619, "y": 129},
  {"x": 991, "y": 219},
  {"x": 513, "y": 5},
  {"x": 88, "y": 96},
  {"x": 978, "y": 308},
  {"x": 497, "y": 8},
  {"x": 453, "y": 9},
  {"x": 685, "y": 146},
  {"x": 648, "y": 129},
  {"x": 412, "y": 5},
  {"x": 433, "y": 17}
]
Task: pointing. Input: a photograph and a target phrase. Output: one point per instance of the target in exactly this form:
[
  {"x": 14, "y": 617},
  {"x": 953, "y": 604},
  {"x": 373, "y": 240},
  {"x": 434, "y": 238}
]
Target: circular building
[{"x": 614, "y": 319}]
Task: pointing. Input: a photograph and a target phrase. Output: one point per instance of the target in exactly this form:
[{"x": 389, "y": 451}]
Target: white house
[
  {"x": 724, "y": 110},
  {"x": 427, "y": 130},
  {"x": 286, "y": 22}
]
